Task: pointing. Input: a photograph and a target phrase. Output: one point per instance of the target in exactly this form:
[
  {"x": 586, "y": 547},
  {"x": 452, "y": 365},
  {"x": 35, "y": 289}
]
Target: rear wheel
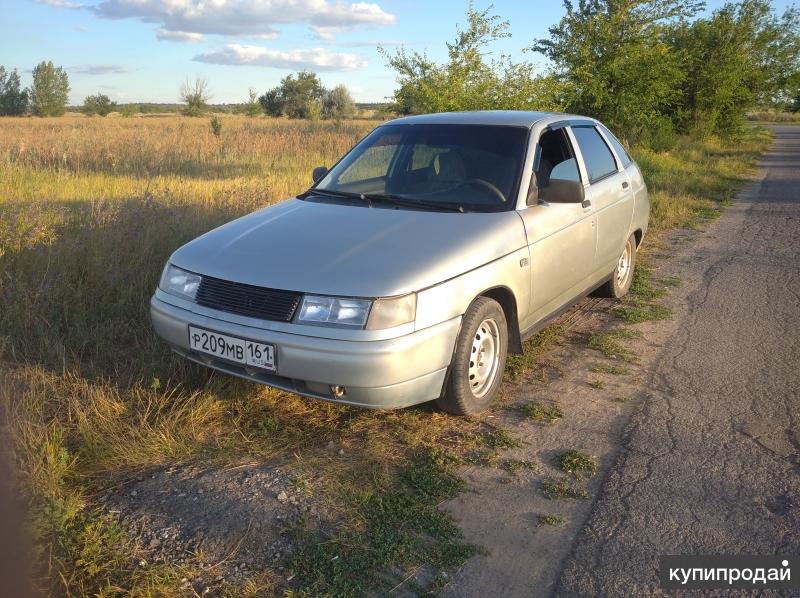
[
  {"x": 478, "y": 361},
  {"x": 621, "y": 279}
]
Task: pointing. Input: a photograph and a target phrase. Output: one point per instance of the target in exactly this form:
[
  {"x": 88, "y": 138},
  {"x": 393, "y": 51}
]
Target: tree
[
  {"x": 271, "y": 102},
  {"x": 50, "y": 90},
  {"x": 252, "y": 107},
  {"x": 613, "y": 63},
  {"x": 470, "y": 80},
  {"x": 297, "y": 96},
  {"x": 99, "y": 104},
  {"x": 13, "y": 99},
  {"x": 743, "y": 55},
  {"x": 338, "y": 104},
  {"x": 195, "y": 95}
]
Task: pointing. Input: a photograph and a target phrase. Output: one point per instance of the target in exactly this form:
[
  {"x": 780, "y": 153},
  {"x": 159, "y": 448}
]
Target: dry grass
[
  {"x": 90, "y": 209},
  {"x": 693, "y": 180},
  {"x": 774, "y": 116}
]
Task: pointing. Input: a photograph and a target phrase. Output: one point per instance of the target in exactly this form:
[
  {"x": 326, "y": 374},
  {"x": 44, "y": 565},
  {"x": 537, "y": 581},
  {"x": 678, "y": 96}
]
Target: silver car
[{"x": 412, "y": 266}]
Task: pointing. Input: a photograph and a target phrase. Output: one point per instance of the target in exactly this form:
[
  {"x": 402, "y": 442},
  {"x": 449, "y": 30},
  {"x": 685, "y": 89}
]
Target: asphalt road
[{"x": 710, "y": 462}]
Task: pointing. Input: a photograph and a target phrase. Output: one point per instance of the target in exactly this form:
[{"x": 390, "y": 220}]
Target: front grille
[{"x": 247, "y": 300}]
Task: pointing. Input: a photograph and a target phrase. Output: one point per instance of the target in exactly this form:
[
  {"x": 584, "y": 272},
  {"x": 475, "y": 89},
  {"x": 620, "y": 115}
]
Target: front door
[{"x": 561, "y": 236}]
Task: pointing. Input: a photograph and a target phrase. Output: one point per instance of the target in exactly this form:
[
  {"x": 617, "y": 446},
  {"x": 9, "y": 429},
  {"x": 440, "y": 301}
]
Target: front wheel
[
  {"x": 478, "y": 361},
  {"x": 621, "y": 279}
]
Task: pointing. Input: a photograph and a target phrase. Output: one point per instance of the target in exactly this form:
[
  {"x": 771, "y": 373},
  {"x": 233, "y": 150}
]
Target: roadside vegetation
[
  {"x": 91, "y": 208},
  {"x": 578, "y": 463}
]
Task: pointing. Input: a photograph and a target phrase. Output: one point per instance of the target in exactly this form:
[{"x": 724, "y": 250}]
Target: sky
[{"x": 141, "y": 50}]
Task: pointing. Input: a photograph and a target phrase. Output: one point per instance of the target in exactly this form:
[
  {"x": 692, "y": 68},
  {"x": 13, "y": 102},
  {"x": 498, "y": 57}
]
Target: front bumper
[{"x": 384, "y": 374}]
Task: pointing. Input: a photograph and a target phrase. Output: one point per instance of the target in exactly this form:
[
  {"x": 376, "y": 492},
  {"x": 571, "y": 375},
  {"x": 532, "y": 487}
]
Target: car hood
[{"x": 356, "y": 251}]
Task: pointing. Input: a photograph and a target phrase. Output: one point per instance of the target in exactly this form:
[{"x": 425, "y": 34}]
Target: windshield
[{"x": 474, "y": 167}]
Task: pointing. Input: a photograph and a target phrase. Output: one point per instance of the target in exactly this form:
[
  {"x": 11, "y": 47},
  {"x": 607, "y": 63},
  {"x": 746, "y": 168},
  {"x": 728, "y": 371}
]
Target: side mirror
[
  {"x": 318, "y": 173},
  {"x": 562, "y": 191}
]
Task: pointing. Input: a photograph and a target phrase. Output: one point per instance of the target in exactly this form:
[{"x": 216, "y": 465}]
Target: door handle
[
  {"x": 625, "y": 184},
  {"x": 586, "y": 204}
]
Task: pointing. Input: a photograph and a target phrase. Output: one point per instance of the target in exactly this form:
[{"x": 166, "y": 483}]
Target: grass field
[
  {"x": 90, "y": 209},
  {"x": 774, "y": 116}
]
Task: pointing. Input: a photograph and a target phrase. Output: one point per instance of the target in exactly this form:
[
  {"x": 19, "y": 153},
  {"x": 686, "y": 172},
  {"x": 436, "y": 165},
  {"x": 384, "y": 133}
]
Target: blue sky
[{"x": 141, "y": 50}]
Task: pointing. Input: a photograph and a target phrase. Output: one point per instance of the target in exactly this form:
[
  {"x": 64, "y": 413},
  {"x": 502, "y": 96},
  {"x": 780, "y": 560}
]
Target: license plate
[{"x": 252, "y": 353}]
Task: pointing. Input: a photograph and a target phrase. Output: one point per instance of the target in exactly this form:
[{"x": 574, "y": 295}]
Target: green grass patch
[
  {"x": 400, "y": 527},
  {"x": 634, "y": 312},
  {"x": 642, "y": 285},
  {"x": 641, "y": 304},
  {"x": 578, "y": 463},
  {"x": 597, "y": 384},
  {"x": 548, "y": 519},
  {"x": 497, "y": 438},
  {"x": 516, "y": 365},
  {"x": 608, "y": 368},
  {"x": 562, "y": 488},
  {"x": 608, "y": 343},
  {"x": 542, "y": 413},
  {"x": 515, "y": 466}
]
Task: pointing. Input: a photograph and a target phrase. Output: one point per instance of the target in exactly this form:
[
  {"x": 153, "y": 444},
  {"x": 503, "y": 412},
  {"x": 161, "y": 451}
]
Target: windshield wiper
[
  {"x": 397, "y": 200},
  {"x": 413, "y": 203},
  {"x": 345, "y": 194}
]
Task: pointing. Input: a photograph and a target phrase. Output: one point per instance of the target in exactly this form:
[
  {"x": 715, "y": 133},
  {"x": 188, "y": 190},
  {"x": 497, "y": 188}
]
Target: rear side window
[
  {"x": 622, "y": 153},
  {"x": 598, "y": 158}
]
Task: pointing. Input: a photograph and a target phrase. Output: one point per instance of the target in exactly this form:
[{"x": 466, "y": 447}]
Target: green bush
[{"x": 99, "y": 104}]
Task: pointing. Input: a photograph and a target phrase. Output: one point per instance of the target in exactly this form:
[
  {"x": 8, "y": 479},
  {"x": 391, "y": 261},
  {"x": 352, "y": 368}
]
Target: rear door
[{"x": 609, "y": 193}]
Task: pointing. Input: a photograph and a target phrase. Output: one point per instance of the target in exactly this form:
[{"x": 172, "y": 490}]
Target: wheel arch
[{"x": 508, "y": 302}]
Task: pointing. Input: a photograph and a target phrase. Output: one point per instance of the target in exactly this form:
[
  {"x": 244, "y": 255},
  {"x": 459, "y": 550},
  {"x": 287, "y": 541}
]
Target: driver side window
[{"x": 556, "y": 159}]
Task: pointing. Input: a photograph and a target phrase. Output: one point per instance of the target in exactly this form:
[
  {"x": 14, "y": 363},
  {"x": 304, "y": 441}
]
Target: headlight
[
  {"x": 334, "y": 311},
  {"x": 179, "y": 282},
  {"x": 388, "y": 313},
  {"x": 358, "y": 313}
]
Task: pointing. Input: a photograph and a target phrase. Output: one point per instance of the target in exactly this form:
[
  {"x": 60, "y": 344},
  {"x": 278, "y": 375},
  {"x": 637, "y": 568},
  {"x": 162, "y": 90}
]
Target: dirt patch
[{"x": 227, "y": 523}]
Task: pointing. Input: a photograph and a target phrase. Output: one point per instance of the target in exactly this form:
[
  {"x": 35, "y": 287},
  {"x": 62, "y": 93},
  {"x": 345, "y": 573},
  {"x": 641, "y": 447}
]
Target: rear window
[{"x": 598, "y": 158}]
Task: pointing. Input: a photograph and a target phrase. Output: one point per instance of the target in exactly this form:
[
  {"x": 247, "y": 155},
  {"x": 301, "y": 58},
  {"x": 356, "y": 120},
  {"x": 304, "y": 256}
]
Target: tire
[
  {"x": 620, "y": 282},
  {"x": 473, "y": 383}
]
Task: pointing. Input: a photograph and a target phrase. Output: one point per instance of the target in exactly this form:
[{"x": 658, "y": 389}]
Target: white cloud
[
  {"x": 326, "y": 34},
  {"x": 178, "y": 36},
  {"x": 244, "y": 18},
  {"x": 60, "y": 3},
  {"x": 371, "y": 43},
  {"x": 318, "y": 59},
  {"x": 98, "y": 69}
]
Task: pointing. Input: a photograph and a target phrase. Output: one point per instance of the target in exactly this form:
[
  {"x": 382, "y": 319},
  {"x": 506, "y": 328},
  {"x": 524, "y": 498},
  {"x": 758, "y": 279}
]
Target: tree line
[
  {"x": 297, "y": 96},
  {"x": 647, "y": 68}
]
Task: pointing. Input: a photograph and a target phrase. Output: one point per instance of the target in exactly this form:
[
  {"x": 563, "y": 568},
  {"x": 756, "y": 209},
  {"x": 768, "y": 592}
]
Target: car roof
[{"x": 517, "y": 118}]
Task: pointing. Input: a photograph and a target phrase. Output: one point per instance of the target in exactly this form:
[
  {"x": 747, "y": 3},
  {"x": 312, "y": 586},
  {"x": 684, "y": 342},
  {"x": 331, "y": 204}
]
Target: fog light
[{"x": 338, "y": 391}]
